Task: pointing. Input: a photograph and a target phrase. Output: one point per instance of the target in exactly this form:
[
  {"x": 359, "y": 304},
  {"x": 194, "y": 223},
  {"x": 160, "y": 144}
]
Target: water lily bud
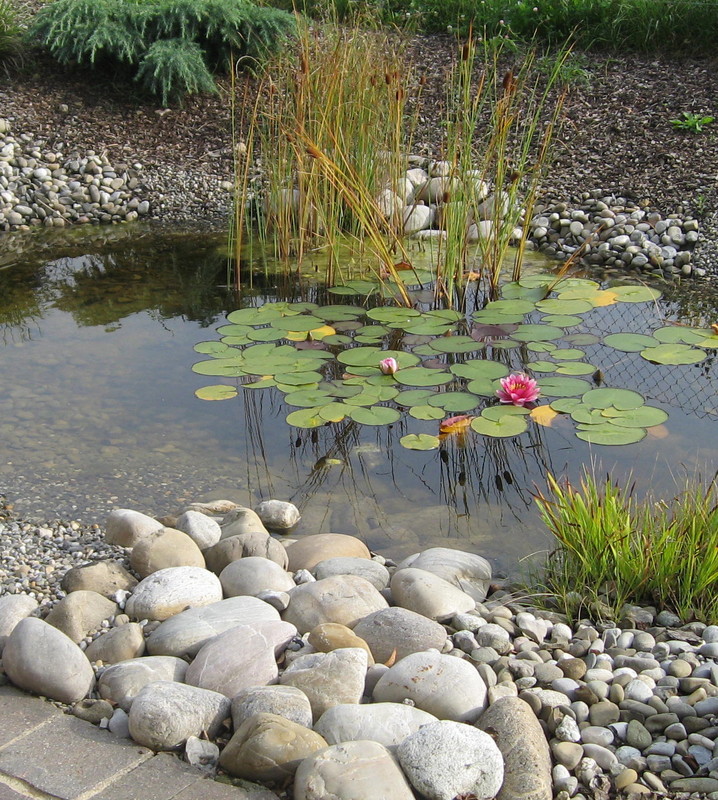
[{"x": 388, "y": 366}]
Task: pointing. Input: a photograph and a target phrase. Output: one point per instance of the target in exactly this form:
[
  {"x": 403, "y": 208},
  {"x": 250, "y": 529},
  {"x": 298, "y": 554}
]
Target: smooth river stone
[
  {"x": 169, "y": 591},
  {"x": 446, "y": 686},
  {"x": 267, "y": 747},
  {"x": 386, "y": 723},
  {"x": 165, "y": 714},
  {"x": 351, "y": 771},
  {"x": 104, "y": 577},
  {"x": 118, "y": 644},
  {"x": 332, "y": 636},
  {"x": 328, "y": 679},
  {"x": 243, "y": 545},
  {"x": 243, "y": 656},
  {"x": 184, "y": 634},
  {"x": 446, "y": 759},
  {"x": 521, "y": 740},
  {"x": 467, "y": 571},
  {"x": 126, "y": 527},
  {"x": 428, "y": 594},
  {"x": 277, "y": 515},
  {"x": 252, "y": 575},
  {"x": 203, "y": 530},
  {"x": 80, "y": 612},
  {"x": 376, "y": 573},
  {"x": 122, "y": 682},
  {"x": 308, "y": 551},
  {"x": 240, "y": 521},
  {"x": 13, "y": 608},
  {"x": 163, "y": 549},
  {"x": 284, "y": 701},
  {"x": 398, "y": 632},
  {"x": 39, "y": 658},
  {"x": 343, "y": 598}
]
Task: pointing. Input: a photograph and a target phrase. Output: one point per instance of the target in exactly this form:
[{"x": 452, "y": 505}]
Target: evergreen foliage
[
  {"x": 173, "y": 46},
  {"x": 10, "y": 42}
]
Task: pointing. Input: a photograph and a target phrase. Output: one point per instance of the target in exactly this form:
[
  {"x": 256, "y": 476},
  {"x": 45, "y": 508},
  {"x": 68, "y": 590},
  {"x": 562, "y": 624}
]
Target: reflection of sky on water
[{"x": 97, "y": 410}]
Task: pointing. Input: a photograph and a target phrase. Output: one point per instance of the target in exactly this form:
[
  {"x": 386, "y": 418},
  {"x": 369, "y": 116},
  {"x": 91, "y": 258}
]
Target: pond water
[{"x": 98, "y": 410}]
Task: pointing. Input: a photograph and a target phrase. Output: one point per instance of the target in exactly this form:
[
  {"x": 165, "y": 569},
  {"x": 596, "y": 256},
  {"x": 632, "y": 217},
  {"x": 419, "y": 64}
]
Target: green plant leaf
[
  {"x": 630, "y": 342},
  {"x": 480, "y": 368},
  {"x": 333, "y": 412},
  {"x": 375, "y": 415},
  {"x": 563, "y": 387},
  {"x": 636, "y": 294},
  {"x": 536, "y": 333},
  {"x": 541, "y": 366},
  {"x": 391, "y": 314},
  {"x": 426, "y": 412},
  {"x": 413, "y": 397},
  {"x": 307, "y": 398},
  {"x": 219, "y": 391},
  {"x": 497, "y": 413},
  {"x": 574, "y": 368},
  {"x": 672, "y": 334},
  {"x": 421, "y": 376},
  {"x": 561, "y": 320},
  {"x": 507, "y": 425},
  {"x": 306, "y": 418},
  {"x": 456, "y": 344},
  {"x": 454, "y": 401},
  {"x": 674, "y": 354},
  {"x": 622, "y": 399},
  {"x": 214, "y": 349},
  {"x": 225, "y": 367},
  {"x": 565, "y": 405},
  {"x": 642, "y": 417},
  {"x": 486, "y": 387},
  {"x": 419, "y": 441},
  {"x": 556, "y": 305},
  {"x": 610, "y": 434}
]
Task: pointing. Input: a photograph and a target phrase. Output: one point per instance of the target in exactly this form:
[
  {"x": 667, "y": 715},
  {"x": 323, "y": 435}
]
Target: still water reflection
[{"x": 97, "y": 410}]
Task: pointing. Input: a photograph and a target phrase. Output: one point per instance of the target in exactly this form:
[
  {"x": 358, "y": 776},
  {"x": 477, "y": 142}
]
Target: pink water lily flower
[
  {"x": 518, "y": 389},
  {"x": 388, "y": 366}
]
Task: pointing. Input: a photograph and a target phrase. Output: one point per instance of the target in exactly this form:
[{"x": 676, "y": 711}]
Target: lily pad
[
  {"x": 429, "y": 327},
  {"x": 420, "y": 376},
  {"x": 337, "y": 339},
  {"x": 393, "y": 314},
  {"x": 480, "y": 368},
  {"x": 414, "y": 397},
  {"x": 306, "y": 418},
  {"x": 214, "y": 349},
  {"x": 643, "y": 417},
  {"x": 234, "y": 330},
  {"x": 630, "y": 342},
  {"x": 496, "y": 413},
  {"x": 426, "y": 412},
  {"x": 561, "y": 320},
  {"x": 375, "y": 415},
  {"x": 541, "y": 347},
  {"x": 515, "y": 291},
  {"x": 565, "y": 405},
  {"x": 489, "y": 317},
  {"x": 333, "y": 412},
  {"x": 636, "y": 294},
  {"x": 371, "y": 356},
  {"x": 588, "y": 416},
  {"x": 622, "y": 399},
  {"x": 483, "y": 386},
  {"x": 456, "y": 344},
  {"x": 419, "y": 441},
  {"x": 541, "y": 366},
  {"x": 266, "y": 335},
  {"x": 255, "y": 316},
  {"x": 506, "y": 426},
  {"x": 610, "y": 434},
  {"x": 673, "y": 354},
  {"x": 521, "y": 307},
  {"x": 537, "y": 333},
  {"x": 563, "y": 387},
  {"x": 225, "y": 367},
  {"x": 308, "y": 398},
  {"x": 557, "y": 305},
  {"x": 453, "y": 401},
  {"x": 219, "y": 391},
  {"x": 671, "y": 334},
  {"x": 444, "y": 314},
  {"x": 581, "y": 339},
  {"x": 574, "y": 368}
]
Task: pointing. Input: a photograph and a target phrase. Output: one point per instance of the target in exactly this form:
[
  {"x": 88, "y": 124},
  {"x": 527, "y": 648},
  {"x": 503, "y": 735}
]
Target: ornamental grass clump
[{"x": 613, "y": 549}]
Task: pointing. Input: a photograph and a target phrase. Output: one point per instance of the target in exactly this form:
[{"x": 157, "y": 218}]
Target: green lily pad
[
  {"x": 219, "y": 391},
  {"x": 236, "y": 341},
  {"x": 515, "y": 291},
  {"x": 561, "y": 320},
  {"x": 339, "y": 389},
  {"x": 214, "y": 349},
  {"x": 225, "y": 367},
  {"x": 480, "y": 368},
  {"x": 306, "y": 418},
  {"x": 307, "y": 398},
  {"x": 503, "y": 344},
  {"x": 444, "y": 314},
  {"x": 429, "y": 327},
  {"x": 298, "y": 378},
  {"x": 424, "y": 350},
  {"x": 636, "y": 294},
  {"x": 610, "y": 434},
  {"x": 581, "y": 339},
  {"x": 541, "y": 347},
  {"x": 555, "y": 305},
  {"x": 234, "y": 330},
  {"x": 264, "y": 383},
  {"x": 489, "y": 317},
  {"x": 537, "y": 333},
  {"x": 497, "y": 413},
  {"x": 337, "y": 339},
  {"x": 568, "y": 354},
  {"x": 643, "y": 417},
  {"x": 372, "y": 395},
  {"x": 538, "y": 281},
  {"x": 338, "y": 313},
  {"x": 573, "y": 284},
  {"x": 629, "y": 342},
  {"x": 421, "y": 376},
  {"x": 371, "y": 356},
  {"x": 521, "y": 307},
  {"x": 393, "y": 314},
  {"x": 414, "y": 397},
  {"x": 299, "y": 323},
  {"x": 255, "y": 316},
  {"x": 453, "y": 401},
  {"x": 507, "y": 425},
  {"x": 375, "y": 415},
  {"x": 588, "y": 416},
  {"x": 265, "y": 335},
  {"x": 333, "y": 412},
  {"x": 419, "y": 441},
  {"x": 574, "y": 368},
  {"x": 456, "y": 344},
  {"x": 541, "y": 366},
  {"x": 565, "y": 405},
  {"x": 672, "y": 334},
  {"x": 622, "y": 399},
  {"x": 484, "y": 387},
  {"x": 673, "y": 354},
  {"x": 563, "y": 387},
  {"x": 710, "y": 342},
  {"x": 426, "y": 412},
  {"x": 375, "y": 331}
]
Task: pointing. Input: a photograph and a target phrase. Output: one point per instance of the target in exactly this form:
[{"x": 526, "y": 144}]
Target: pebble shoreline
[
  {"x": 629, "y": 707},
  {"x": 44, "y": 186}
]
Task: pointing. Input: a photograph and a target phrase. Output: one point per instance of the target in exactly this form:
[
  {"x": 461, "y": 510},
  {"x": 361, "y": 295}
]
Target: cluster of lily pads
[{"x": 326, "y": 360}]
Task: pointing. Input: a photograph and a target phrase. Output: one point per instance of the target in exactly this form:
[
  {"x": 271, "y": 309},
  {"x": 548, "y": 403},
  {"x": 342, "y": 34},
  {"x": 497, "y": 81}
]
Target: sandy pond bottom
[{"x": 97, "y": 410}]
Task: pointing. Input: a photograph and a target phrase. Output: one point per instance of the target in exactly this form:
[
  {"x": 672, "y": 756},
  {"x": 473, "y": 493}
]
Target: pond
[{"x": 98, "y": 408}]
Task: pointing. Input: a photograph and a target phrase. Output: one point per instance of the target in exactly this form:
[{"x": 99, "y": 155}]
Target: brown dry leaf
[
  {"x": 472, "y": 276},
  {"x": 604, "y": 298},
  {"x": 392, "y": 658},
  {"x": 403, "y": 265},
  {"x": 714, "y": 328},
  {"x": 657, "y": 431},
  {"x": 543, "y": 415},
  {"x": 455, "y": 424}
]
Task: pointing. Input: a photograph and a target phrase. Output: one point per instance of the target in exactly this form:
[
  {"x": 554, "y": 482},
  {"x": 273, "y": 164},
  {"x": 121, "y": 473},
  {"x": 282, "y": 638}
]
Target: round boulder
[
  {"x": 126, "y": 527},
  {"x": 308, "y": 551},
  {"x": 203, "y": 530},
  {"x": 252, "y": 575},
  {"x": 13, "y": 608},
  {"x": 81, "y": 612},
  {"x": 169, "y": 591},
  {"x": 428, "y": 594},
  {"x": 396, "y": 632},
  {"x": 103, "y": 577},
  {"x": 164, "y": 548},
  {"x": 467, "y": 571}
]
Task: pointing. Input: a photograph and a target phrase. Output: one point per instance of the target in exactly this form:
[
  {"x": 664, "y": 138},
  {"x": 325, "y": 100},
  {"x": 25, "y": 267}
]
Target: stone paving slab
[
  {"x": 6, "y": 793},
  {"x": 160, "y": 778},
  {"x": 20, "y": 713},
  {"x": 67, "y": 757}
]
